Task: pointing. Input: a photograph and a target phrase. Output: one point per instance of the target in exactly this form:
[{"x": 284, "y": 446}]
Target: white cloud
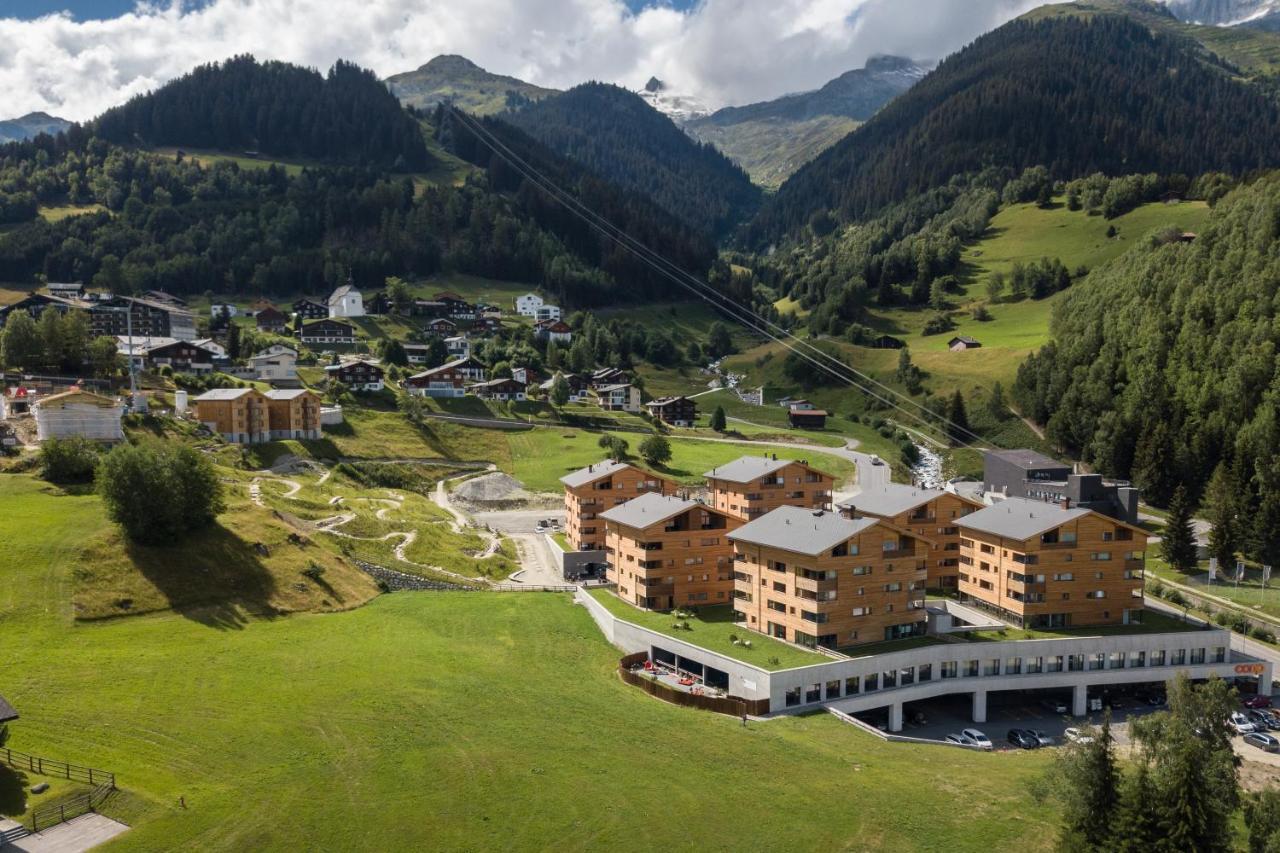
[{"x": 725, "y": 51}]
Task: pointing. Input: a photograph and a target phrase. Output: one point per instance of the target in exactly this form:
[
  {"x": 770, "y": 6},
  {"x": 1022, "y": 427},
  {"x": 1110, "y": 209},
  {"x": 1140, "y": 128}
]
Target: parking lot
[{"x": 934, "y": 719}]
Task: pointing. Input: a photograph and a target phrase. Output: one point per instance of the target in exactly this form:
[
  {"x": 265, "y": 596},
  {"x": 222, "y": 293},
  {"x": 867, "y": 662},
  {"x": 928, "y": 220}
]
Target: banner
[
  {"x": 1213, "y": 569},
  {"x": 1239, "y": 570},
  {"x": 1266, "y": 574}
]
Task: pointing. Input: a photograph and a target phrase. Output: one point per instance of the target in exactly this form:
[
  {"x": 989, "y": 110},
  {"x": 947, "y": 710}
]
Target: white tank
[{"x": 179, "y": 402}]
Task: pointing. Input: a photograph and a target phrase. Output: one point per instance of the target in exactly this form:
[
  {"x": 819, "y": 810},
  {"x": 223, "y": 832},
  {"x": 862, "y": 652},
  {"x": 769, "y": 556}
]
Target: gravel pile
[{"x": 490, "y": 487}]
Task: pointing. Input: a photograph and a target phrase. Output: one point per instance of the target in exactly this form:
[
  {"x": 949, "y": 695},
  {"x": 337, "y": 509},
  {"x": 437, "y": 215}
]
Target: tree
[
  {"x": 559, "y": 390},
  {"x": 20, "y": 345},
  {"x": 102, "y": 356},
  {"x": 719, "y": 341},
  {"x": 995, "y": 286},
  {"x": 1262, "y": 817},
  {"x": 1178, "y": 542},
  {"x": 718, "y": 419},
  {"x": 1090, "y": 789},
  {"x": 437, "y": 352},
  {"x": 907, "y": 373},
  {"x": 997, "y": 406},
  {"x": 618, "y": 447},
  {"x": 957, "y": 419},
  {"x": 233, "y": 341},
  {"x": 76, "y": 332},
  {"x": 50, "y": 330},
  {"x": 1222, "y": 503},
  {"x": 68, "y": 460},
  {"x": 159, "y": 491},
  {"x": 393, "y": 352},
  {"x": 655, "y": 450},
  {"x": 399, "y": 294}
]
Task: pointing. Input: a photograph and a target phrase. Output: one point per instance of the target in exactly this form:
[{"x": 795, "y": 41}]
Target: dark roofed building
[
  {"x": 962, "y": 342},
  {"x": 271, "y": 319},
  {"x": 7, "y": 711},
  {"x": 310, "y": 309},
  {"x": 886, "y": 342},
  {"x": 807, "y": 418},
  {"x": 1030, "y": 474},
  {"x": 676, "y": 411}
]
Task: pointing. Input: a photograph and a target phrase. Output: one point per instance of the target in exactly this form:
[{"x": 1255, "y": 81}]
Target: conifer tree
[
  {"x": 718, "y": 419},
  {"x": 1178, "y": 542},
  {"x": 1221, "y": 508},
  {"x": 957, "y": 419}
]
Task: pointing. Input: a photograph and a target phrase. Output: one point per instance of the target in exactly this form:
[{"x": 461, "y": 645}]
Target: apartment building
[
  {"x": 665, "y": 552},
  {"x": 293, "y": 413},
  {"x": 1030, "y": 474},
  {"x": 753, "y": 485},
  {"x": 819, "y": 579},
  {"x": 932, "y": 513},
  {"x": 592, "y": 490},
  {"x": 237, "y": 414},
  {"x": 1042, "y": 565}
]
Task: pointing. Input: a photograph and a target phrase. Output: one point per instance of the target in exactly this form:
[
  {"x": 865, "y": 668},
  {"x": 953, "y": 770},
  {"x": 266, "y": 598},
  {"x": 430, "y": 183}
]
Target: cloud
[{"x": 724, "y": 51}]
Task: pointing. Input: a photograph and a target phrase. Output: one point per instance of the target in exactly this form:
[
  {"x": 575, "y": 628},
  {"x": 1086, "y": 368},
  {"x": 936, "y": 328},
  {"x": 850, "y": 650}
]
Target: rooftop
[
  {"x": 591, "y": 473},
  {"x": 78, "y": 395},
  {"x": 748, "y": 468},
  {"x": 7, "y": 711},
  {"x": 1027, "y": 458},
  {"x": 891, "y": 499},
  {"x": 648, "y": 510},
  {"x": 223, "y": 394},
  {"x": 285, "y": 393},
  {"x": 801, "y": 531},
  {"x": 1020, "y": 518}
]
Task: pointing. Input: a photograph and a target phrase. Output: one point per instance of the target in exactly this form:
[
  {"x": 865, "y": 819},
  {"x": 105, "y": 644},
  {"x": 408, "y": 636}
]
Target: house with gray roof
[{"x": 801, "y": 531}]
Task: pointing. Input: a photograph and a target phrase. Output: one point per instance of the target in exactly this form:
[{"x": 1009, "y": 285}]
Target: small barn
[
  {"x": 807, "y": 418},
  {"x": 79, "y": 414},
  {"x": 962, "y": 342}
]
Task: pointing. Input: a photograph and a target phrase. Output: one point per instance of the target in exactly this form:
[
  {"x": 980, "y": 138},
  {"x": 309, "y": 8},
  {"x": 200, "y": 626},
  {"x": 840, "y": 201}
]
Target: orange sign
[{"x": 1249, "y": 669}]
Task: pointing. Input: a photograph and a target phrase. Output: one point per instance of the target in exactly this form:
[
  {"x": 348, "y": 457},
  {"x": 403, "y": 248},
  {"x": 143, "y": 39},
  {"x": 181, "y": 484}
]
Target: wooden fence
[
  {"x": 55, "y": 813},
  {"x": 53, "y": 767},
  {"x": 731, "y": 705}
]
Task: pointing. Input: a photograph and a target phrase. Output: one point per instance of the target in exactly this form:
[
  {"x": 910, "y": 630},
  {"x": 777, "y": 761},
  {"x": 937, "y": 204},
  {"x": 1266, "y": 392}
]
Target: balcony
[{"x": 814, "y": 585}]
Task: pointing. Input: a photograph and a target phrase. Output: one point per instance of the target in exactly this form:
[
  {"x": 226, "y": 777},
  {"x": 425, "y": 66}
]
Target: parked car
[
  {"x": 1023, "y": 739},
  {"x": 960, "y": 739},
  {"x": 978, "y": 739},
  {"x": 1055, "y": 706},
  {"x": 1155, "y": 699},
  {"x": 1256, "y": 702},
  {"x": 876, "y": 460},
  {"x": 1240, "y": 724},
  {"x": 1273, "y": 720},
  {"x": 1041, "y": 737},
  {"x": 1261, "y": 719},
  {"x": 1268, "y": 743},
  {"x": 1076, "y": 736}
]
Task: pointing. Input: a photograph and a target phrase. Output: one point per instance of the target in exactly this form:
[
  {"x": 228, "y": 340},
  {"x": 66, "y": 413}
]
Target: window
[
  {"x": 813, "y": 694},
  {"x": 893, "y": 587},
  {"x": 852, "y": 685},
  {"x": 777, "y": 567},
  {"x": 861, "y": 611},
  {"x": 1097, "y": 661},
  {"x": 777, "y": 606},
  {"x": 971, "y": 669},
  {"x": 793, "y": 697},
  {"x": 1035, "y": 666},
  {"x": 1055, "y": 664},
  {"x": 991, "y": 667},
  {"x": 907, "y": 675},
  {"x": 1219, "y": 654},
  {"x": 924, "y": 672},
  {"x": 1013, "y": 666},
  {"x": 1137, "y": 659},
  {"x": 1097, "y": 593},
  {"x": 889, "y": 678},
  {"x": 870, "y": 682},
  {"x": 1178, "y": 657},
  {"x": 833, "y": 689},
  {"x": 1100, "y": 555},
  {"x": 1117, "y": 660},
  {"x": 1075, "y": 663},
  {"x": 1197, "y": 656},
  {"x": 890, "y": 545},
  {"x": 1157, "y": 658},
  {"x": 948, "y": 669},
  {"x": 779, "y": 587},
  {"x": 861, "y": 570},
  {"x": 1064, "y": 576}
]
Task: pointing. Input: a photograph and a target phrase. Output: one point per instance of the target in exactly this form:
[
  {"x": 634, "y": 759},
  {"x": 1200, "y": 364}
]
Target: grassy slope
[
  {"x": 420, "y": 721},
  {"x": 770, "y": 150}
]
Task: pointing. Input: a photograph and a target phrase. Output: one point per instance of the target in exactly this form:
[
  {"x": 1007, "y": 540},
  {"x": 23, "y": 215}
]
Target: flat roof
[
  {"x": 801, "y": 531},
  {"x": 649, "y": 509},
  {"x": 1027, "y": 458},
  {"x": 591, "y": 473},
  {"x": 891, "y": 499},
  {"x": 747, "y": 468},
  {"x": 1020, "y": 518}
]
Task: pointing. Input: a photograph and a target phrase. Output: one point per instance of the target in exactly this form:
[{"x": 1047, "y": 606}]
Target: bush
[
  {"x": 938, "y": 324},
  {"x": 159, "y": 491},
  {"x": 68, "y": 460},
  {"x": 1175, "y": 597},
  {"x": 1157, "y": 589},
  {"x": 655, "y": 449},
  {"x": 1260, "y": 633}
]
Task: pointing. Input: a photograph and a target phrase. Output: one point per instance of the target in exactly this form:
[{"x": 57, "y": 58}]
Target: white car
[
  {"x": 1040, "y": 736},
  {"x": 977, "y": 738},
  {"x": 1240, "y": 724},
  {"x": 1076, "y": 736}
]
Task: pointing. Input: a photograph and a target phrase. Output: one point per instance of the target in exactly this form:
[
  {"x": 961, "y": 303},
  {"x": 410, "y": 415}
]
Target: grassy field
[
  {"x": 711, "y": 629},
  {"x": 1153, "y": 622},
  {"x": 1248, "y": 594},
  {"x": 56, "y": 213},
  {"x": 421, "y": 721}
]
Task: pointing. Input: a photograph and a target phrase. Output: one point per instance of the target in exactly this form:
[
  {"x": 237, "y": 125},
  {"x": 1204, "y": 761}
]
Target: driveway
[
  {"x": 870, "y": 475},
  {"x": 537, "y": 563}
]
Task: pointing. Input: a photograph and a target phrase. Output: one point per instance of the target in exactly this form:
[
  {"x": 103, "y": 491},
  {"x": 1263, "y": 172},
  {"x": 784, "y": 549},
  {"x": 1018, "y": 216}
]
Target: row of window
[{"x": 908, "y": 675}]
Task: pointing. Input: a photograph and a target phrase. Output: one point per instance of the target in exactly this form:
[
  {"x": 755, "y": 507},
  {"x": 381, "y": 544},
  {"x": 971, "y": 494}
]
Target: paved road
[
  {"x": 536, "y": 560},
  {"x": 869, "y": 474},
  {"x": 1239, "y": 642}
]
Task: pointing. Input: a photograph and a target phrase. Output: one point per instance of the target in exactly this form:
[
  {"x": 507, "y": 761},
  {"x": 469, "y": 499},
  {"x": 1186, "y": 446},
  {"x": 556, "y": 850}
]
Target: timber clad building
[
  {"x": 592, "y": 490},
  {"x": 753, "y": 485},
  {"x": 931, "y": 513},
  {"x": 667, "y": 552},
  {"x": 247, "y": 416},
  {"x": 1044, "y": 565},
  {"x": 819, "y": 579}
]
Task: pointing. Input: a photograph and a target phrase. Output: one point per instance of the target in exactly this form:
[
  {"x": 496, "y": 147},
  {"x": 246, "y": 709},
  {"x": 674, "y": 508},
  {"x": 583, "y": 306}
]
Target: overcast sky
[{"x": 75, "y": 58}]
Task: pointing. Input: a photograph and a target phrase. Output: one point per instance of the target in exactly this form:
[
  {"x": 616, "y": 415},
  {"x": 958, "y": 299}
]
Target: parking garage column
[
  {"x": 895, "y": 717},
  {"x": 979, "y": 706},
  {"x": 1264, "y": 678},
  {"x": 1080, "y": 700}
]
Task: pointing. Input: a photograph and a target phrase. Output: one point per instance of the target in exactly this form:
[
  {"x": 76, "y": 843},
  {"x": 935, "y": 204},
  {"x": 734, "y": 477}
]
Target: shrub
[
  {"x": 1175, "y": 597},
  {"x": 1260, "y": 633},
  {"x": 68, "y": 460},
  {"x": 1157, "y": 589},
  {"x": 938, "y": 324},
  {"x": 1222, "y": 617},
  {"x": 159, "y": 491}
]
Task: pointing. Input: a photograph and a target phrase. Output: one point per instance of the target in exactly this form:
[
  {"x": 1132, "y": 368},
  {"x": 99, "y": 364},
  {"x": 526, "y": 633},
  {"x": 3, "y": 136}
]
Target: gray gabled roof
[
  {"x": 7, "y": 711},
  {"x": 648, "y": 509},
  {"x": 1020, "y": 518},
  {"x": 890, "y": 499},
  {"x": 801, "y": 531},
  {"x": 285, "y": 393},
  {"x": 748, "y": 468},
  {"x": 591, "y": 473},
  {"x": 224, "y": 394}
]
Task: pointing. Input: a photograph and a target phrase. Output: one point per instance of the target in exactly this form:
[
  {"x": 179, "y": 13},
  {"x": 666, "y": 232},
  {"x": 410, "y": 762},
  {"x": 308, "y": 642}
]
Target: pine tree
[
  {"x": 1262, "y": 817},
  {"x": 718, "y": 419},
  {"x": 233, "y": 341},
  {"x": 559, "y": 390},
  {"x": 1178, "y": 542},
  {"x": 957, "y": 419},
  {"x": 1091, "y": 792},
  {"x": 1153, "y": 462},
  {"x": 1221, "y": 501},
  {"x": 1136, "y": 825},
  {"x": 997, "y": 405}
]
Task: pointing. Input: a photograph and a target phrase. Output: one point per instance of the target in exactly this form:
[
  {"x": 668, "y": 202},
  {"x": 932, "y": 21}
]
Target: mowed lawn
[{"x": 446, "y": 721}]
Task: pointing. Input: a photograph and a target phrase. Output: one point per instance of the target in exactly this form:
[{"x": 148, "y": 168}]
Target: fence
[
  {"x": 52, "y": 767},
  {"x": 533, "y": 587},
  {"x": 55, "y": 813},
  {"x": 731, "y": 705}
]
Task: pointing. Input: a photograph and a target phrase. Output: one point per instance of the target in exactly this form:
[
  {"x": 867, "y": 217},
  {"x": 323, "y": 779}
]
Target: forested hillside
[
  {"x": 619, "y": 137},
  {"x": 1163, "y": 363},
  {"x": 1079, "y": 96},
  {"x": 274, "y": 108},
  {"x": 460, "y": 81}
]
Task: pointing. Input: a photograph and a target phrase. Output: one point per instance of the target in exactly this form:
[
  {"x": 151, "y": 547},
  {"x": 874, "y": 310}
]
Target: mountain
[
  {"x": 461, "y": 81},
  {"x": 29, "y": 125},
  {"x": 772, "y": 139},
  {"x": 1263, "y": 14},
  {"x": 274, "y": 108},
  {"x": 618, "y": 136},
  {"x": 1076, "y": 95},
  {"x": 678, "y": 107}
]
